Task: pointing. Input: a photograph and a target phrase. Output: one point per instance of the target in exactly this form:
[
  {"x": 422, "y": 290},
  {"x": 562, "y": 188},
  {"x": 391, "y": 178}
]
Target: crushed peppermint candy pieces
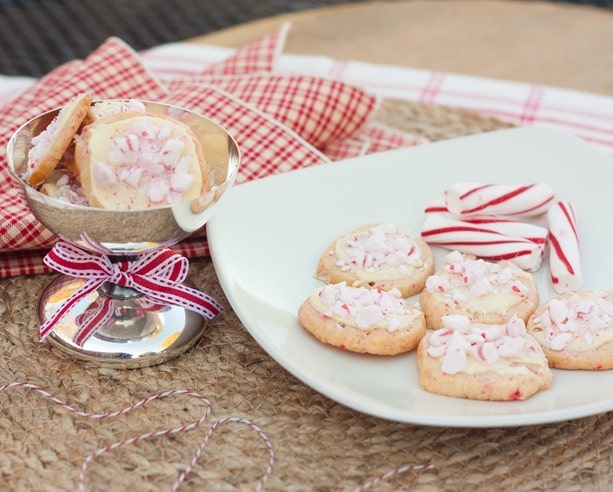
[
  {"x": 365, "y": 308},
  {"x": 138, "y": 162},
  {"x": 461, "y": 342},
  {"x": 586, "y": 320},
  {"x": 383, "y": 245},
  {"x": 476, "y": 276}
]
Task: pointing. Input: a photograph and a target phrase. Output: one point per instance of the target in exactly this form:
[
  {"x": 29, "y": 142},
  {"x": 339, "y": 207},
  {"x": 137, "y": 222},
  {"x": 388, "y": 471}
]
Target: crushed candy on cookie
[
  {"x": 65, "y": 188},
  {"x": 476, "y": 276},
  {"x": 118, "y": 155},
  {"x": 381, "y": 246},
  {"x": 461, "y": 343},
  {"x": 577, "y": 318},
  {"x": 146, "y": 157},
  {"x": 104, "y": 109},
  {"x": 364, "y": 308}
]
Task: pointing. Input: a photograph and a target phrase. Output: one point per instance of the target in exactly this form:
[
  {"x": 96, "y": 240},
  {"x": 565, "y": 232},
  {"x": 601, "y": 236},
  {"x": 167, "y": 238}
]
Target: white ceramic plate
[{"x": 266, "y": 239}]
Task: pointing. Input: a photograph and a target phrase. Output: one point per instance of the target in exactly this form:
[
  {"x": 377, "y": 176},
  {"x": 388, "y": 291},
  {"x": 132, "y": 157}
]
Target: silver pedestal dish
[{"x": 138, "y": 332}]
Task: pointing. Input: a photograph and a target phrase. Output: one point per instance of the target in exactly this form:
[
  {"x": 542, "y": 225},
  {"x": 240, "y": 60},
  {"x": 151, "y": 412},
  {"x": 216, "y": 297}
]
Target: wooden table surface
[{"x": 554, "y": 44}]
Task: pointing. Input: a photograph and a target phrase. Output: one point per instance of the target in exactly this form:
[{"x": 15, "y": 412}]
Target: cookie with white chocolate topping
[
  {"x": 49, "y": 146},
  {"x": 362, "y": 320},
  {"x": 110, "y": 107},
  {"x": 482, "y": 362},
  {"x": 486, "y": 292},
  {"x": 132, "y": 161},
  {"x": 380, "y": 256},
  {"x": 576, "y": 330}
]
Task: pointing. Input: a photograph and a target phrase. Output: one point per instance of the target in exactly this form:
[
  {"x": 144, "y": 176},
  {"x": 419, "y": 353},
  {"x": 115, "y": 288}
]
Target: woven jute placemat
[{"x": 320, "y": 445}]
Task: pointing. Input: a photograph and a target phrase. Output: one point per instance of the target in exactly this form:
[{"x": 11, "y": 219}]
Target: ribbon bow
[{"x": 157, "y": 274}]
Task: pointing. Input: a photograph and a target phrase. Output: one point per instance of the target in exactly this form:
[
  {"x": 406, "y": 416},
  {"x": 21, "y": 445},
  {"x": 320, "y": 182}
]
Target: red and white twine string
[
  {"x": 392, "y": 473},
  {"x": 159, "y": 433},
  {"x": 184, "y": 428}
]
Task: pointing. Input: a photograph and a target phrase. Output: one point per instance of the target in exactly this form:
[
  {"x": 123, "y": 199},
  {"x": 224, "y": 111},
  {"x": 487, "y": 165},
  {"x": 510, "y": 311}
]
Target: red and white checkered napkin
[{"x": 280, "y": 122}]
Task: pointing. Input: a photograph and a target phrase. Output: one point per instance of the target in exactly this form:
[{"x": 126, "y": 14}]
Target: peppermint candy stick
[
  {"x": 482, "y": 241},
  {"x": 501, "y": 225},
  {"x": 564, "y": 258},
  {"x": 510, "y": 227},
  {"x": 438, "y": 206},
  {"x": 494, "y": 199}
]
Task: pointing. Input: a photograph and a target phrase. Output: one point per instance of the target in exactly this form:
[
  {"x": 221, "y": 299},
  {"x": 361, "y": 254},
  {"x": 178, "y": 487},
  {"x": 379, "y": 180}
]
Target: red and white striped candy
[
  {"x": 510, "y": 227},
  {"x": 501, "y": 225},
  {"x": 495, "y": 199},
  {"x": 564, "y": 258},
  {"x": 438, "y": 206},
  {"x": 483, "y": 241}
]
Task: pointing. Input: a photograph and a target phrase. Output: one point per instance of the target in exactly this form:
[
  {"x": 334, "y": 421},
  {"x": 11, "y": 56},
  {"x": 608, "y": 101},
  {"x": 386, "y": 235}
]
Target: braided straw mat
[{"x": 320, "y": 445}]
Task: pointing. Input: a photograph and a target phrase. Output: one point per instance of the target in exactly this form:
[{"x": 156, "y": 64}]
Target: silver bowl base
[{"x": 133, "y": 336}]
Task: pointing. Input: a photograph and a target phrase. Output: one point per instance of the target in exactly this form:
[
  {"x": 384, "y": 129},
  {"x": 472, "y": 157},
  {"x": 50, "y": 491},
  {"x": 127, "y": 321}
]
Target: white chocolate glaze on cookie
[
  {"x": 486, "y": 292},
  {"x": 576, "y": 330},
  {"x": 362, "y": 320},
  {"x": 137, "y": 162},
  {"x": 381, "y": 256},
  {"x": 483, "y": 362}
]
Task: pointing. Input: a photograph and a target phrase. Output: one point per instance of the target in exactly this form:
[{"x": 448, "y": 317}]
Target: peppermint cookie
[
  {"x": 486, "y": 292},
  {"x": 576, "y": 330},
  {"x": 49, "y": 146},
  {"x": 482, "y": 362},
  {"x": 362, "y": 320},
  {"x": 110, "y": 107},
  {"x": 129, "y": 161},
  {"x": 61, "y": 185},
  {"x": 380, "y": 256}
]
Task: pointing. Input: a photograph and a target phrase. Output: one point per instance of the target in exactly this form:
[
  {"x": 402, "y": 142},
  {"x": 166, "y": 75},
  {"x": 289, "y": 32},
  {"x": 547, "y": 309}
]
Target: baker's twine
[
  {"x": 392, "y": 473},
  {"x": 184, "y": 428},
  {"x": 166, "y": 432}
]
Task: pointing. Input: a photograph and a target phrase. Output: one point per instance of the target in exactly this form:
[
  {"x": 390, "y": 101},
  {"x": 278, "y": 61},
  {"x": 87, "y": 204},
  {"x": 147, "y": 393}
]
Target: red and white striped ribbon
[
  {"x": 94, "y": 317},
  {"x": 157, "y": 274},
  {"x": 100, "y": 312}
]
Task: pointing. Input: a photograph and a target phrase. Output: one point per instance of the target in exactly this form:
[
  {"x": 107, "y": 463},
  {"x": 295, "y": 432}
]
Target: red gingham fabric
[
  {"x": 260, "y": 56},
  {"x": 268, "y": 147},
  {"x": 281, "y": 123},
  {"x": 319, "y": 110}
]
